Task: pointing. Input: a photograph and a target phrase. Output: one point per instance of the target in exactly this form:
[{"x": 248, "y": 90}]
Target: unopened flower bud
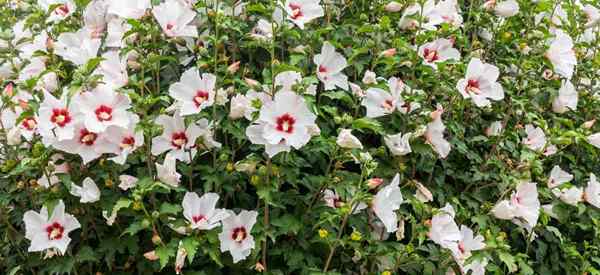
[{"x": 393, "y": 7}]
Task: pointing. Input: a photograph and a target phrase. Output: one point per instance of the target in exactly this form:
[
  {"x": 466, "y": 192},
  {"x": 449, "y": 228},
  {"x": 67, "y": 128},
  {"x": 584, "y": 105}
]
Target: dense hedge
[{"x": 299, "y": 137}]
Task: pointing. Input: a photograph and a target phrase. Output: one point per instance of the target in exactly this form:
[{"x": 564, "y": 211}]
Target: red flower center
[
  {"x": 179, "y": 139},
  {"x": 322, "y": 69},
  {"x": 198, "y": 218},
  {"x": 473, "y": 86},
  {"x": 29, "y": 123},
  {"x": 296, "y": 12},
  {"x": 60, "y": 117},
  {"x": 103, "y": 113},
  {"x": 461, "y": 247},
  {"x": 430, "y": 55},
  {"x": 127, "y": 142},
  {"x": 389, "y": 105},
  {"x": 86, "y": 137},
  {"x": 285, "y": 123},
  {"x": 170, "y": 26},
  {"x": 239, "y": 234},
  {"x": 55, "y": 231},
  {"x": 62, "y": 10},
  {"x": 201, "y": 97}
]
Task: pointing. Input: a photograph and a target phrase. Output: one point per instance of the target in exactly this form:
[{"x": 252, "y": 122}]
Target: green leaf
[
  {"x": 164, "y": 253},
  {"x": 168, "y": 208},
  {"x": 190, "y": 244},
  {"x": 365, "y": 123},
  {"x": 508, "y": 260}
]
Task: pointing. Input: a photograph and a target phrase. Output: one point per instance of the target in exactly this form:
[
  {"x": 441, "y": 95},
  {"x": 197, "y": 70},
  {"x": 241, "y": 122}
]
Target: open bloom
[
  {"x": 283, "y": 123},
  {"x": 380, "y": 102},
  {"x": 439, "y": 50},
  {"x": 194, "y": 92},
  {"x": 62, "y": 10},
  {"x": 56, "y": 120},
  {"x": 78, "y": 47},
  {"x": 346, "y": 139},
  {"x": 572, "y": 195},
  {"x": 386, "y": 202},
  {"x": 103, "y": 107},
  {"x": 176, "y": 138},
  {"x": 301, "y": 12},
  {"x": 49, "y": 231},
  {"x": 286, "y": 80},
  {"x": 593, "y": 15},
  {"x": 591, "y": 192},
  {"x": 480, "y": 83},
  {"x": 128, "y": 139},
  {"x": 113, "y": 70},
  {"x": 175, "y": 19},
  {"x": 130, "y": 9},
  {"x": 329, "y": 68},
  {"x": 87, "y": 192},
  {"x": 523, "y": 206},
  {"x": 116, "y": 29},
  {"x": 558, "y": 177},
  {"x": 167, "y": 172},
  {"x": 201, "y": 211},
  {"x": 536, "y": 139},
  {"x": 236, "y": 237},
  {"x": 567, "y": 98},
  {"x": 468, "y": 242},
  {"x": 561, "y": 54},
  {"x": 398, "y": 144},
  {"x": 127, "y": 182},
  {"x": 506, "y": 8},
  {"x": 444, "y": 230},
  {"x": 435, "y": 134},
  {"x": 87, "y": 144}
]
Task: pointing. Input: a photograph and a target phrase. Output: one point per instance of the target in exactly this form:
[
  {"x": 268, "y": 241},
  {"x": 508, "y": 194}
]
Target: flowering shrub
[{"x": 300, "y": 137}]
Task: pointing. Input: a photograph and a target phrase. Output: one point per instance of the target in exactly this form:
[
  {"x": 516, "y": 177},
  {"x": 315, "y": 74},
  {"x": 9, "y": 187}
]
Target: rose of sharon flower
[
  {"x": 439, "y": 50},
  {"x": 49, "y": 232},
  {"x": 329, "y": 68},
  {"x": 467, "y": 243},
  {"x": 444, "y": 231},
  {"x": 87, "y": 144},
  {"x": 180, "y": 258},
  {"x": 435, "y": 134},
  {"x": 127, "y": 182},
  {"x": 130, "y": 9},
  {"x": 593, "y": 15},
  {"x": 113, "y": 70},
  {"x": 333, "y": 200},
  {"x": 571, "y": 195},
  {"x": 286, "y": 80},
  {"x": 536, "y": 139},
  {"x": 480, "y": 83},
  {"x": 167, "y": 172},
  {"x": 128, "y": 139},
  {"x": 345, "y": 139},
  {"x": 176, "y": 138},
  {"x": 561, "y": 54},
  {"x": 380, "y": 102},
  {"x": 386, "y": 202},
  {"x": 56, "y": 120},
  {"x": 78, "y": 47},
  {"x": 283, "y": 123},
  {"x": 301, "y": 12},
  {"x": 506, "y": 8},
  {"x": 523, "y": 206},
  {"x": 64, "y": 8},
  {"x": 102, "y": 108},
  {"x": 567, "y": 98},
  {"x": 236, "y": 237},
  {"x": 398, "y": 144},
  {"x": 591, "y": 192},
  {"x": 194, "y": 92},
  {"x": 558, "y": 177},
  {"x": 175, "y": 19},
  {"x": 88, "y": 191},
  {"x": 201, "y": 211}
]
